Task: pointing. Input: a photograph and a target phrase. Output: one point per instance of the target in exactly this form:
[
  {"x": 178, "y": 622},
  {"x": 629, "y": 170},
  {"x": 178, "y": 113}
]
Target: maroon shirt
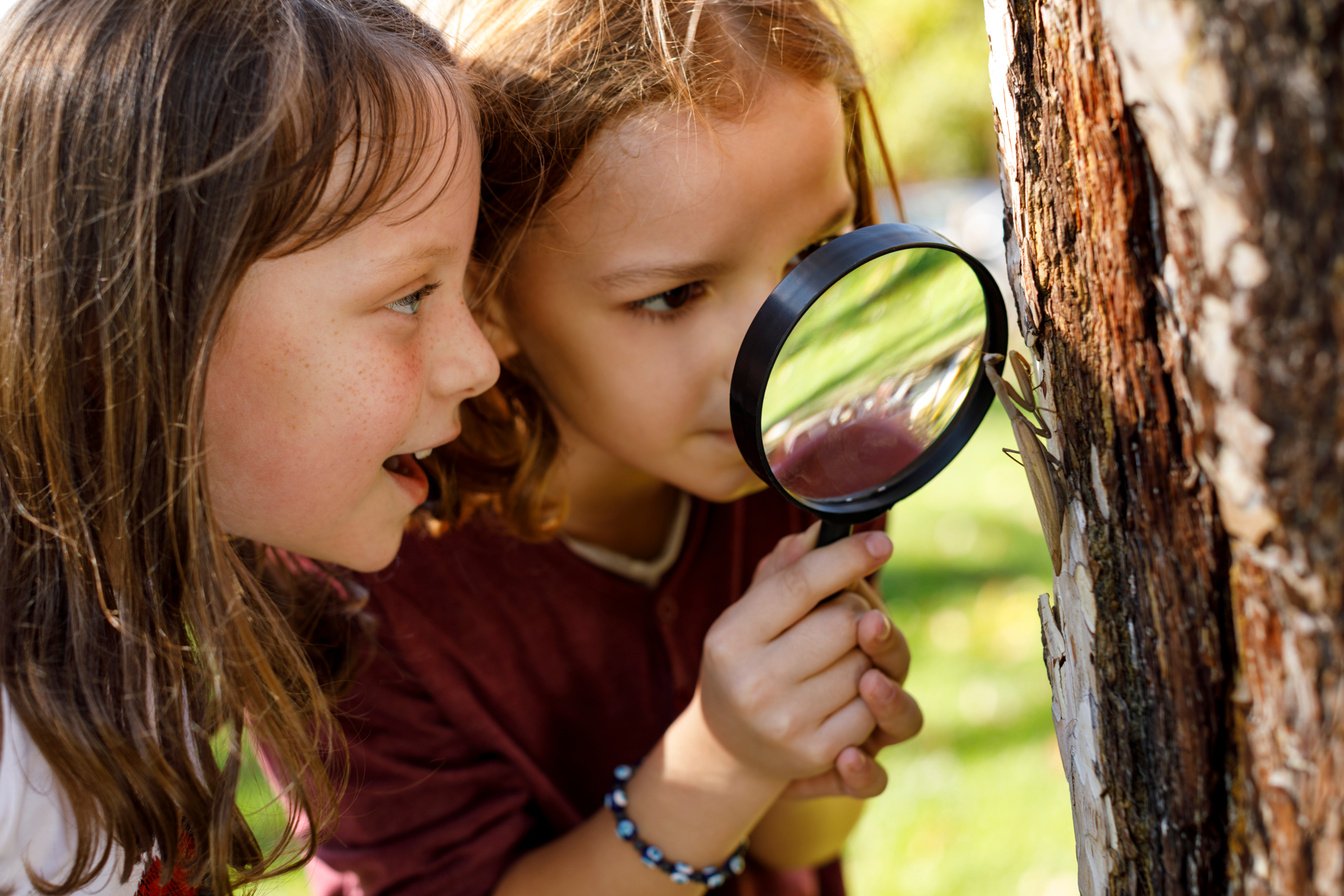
[{"x": 510, "y": 680}]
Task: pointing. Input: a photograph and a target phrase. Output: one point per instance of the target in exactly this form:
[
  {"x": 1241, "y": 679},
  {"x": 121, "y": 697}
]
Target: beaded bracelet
[{"x": 712, "y": 876}]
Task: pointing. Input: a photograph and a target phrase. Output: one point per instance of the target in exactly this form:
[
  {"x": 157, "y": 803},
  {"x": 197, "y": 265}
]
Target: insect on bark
[{"x": 1040, "y": 466}]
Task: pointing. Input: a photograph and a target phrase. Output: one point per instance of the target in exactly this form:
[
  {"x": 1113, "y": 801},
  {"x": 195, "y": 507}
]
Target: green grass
[{"x": 977, "y": 803}]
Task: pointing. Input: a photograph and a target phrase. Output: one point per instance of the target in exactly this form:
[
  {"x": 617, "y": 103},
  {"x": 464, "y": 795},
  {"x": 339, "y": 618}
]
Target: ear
[{"x": 490, "y": 315}]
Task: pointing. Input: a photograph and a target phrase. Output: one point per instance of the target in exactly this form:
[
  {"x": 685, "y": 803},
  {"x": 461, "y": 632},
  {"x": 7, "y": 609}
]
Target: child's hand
[
  {"x": 856, "y": 772},
  {"x": 779, "y": 682}
]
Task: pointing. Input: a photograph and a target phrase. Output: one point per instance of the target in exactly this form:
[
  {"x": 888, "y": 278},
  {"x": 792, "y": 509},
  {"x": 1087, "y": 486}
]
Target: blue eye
[
  {"x": 410, "y": 304},
  {"x": 670, "y": 301}
]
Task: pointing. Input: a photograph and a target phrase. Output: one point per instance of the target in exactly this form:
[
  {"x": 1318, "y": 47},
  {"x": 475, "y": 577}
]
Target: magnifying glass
[{"x": 860, "y": 378}]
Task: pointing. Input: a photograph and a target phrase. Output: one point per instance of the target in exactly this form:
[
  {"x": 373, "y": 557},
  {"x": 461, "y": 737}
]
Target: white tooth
[{"x": 423, "y": 453}]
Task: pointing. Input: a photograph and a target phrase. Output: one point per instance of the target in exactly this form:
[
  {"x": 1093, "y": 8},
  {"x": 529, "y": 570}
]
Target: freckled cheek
[
  {"x": 377, "y": 399},
  {"x": 324, "y": 402}
]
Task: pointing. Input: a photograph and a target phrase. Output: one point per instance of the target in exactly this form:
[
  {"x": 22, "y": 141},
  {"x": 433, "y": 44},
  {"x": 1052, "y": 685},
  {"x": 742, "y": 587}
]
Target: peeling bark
[{"x": 1172, "y": 172}]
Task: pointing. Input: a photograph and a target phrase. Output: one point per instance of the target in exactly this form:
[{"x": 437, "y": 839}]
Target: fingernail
[
  {"x": 885, "y": 689},
  {"x": 878, "y": 544},
  {"x": 884, "y": 632}
]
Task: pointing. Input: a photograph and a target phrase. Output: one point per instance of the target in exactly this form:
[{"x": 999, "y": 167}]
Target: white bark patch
[
  {"x": 1179, "y": 97},
  {"x": 1002, "y": 37},
  {"x": 1238, "y": 474},
  {"x": 1069, "y": 629},
  {"x": 1247, "y": 266},
  {"x": 1212, "y": 345}
]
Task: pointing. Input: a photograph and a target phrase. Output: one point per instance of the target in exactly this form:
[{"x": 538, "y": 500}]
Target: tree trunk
[{"x": 1173, "y": 173}]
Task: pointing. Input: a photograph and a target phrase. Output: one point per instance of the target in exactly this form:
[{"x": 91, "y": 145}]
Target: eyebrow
[
  {"x": 701, "y": 270},
  {"x": 415, "y": 254},
  {"x": 641, "y": 272}
]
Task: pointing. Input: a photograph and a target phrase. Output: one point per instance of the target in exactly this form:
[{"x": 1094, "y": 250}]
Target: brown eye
[{"x": 670, "y": 300}]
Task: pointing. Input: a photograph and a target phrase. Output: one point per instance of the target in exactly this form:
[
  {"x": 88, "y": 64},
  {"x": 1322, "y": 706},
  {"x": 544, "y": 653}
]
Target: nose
[{"x": 462, "y": 363}]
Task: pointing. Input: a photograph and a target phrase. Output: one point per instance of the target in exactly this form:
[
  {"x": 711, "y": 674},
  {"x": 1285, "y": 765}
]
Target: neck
[{"x": 619, "y": 508}]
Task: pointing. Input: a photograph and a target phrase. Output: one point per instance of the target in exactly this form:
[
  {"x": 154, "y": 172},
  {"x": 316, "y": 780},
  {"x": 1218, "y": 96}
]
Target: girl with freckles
[
  {"x": 233, "y": 243},
  {"x": 617, "y": 672}
]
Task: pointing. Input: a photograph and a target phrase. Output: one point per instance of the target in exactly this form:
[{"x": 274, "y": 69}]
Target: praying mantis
[{"x": 1042, "y": 469}]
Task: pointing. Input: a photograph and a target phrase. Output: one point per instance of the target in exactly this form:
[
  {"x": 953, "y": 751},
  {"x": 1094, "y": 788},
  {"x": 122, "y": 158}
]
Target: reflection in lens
[{"x": 873, "y": 373}]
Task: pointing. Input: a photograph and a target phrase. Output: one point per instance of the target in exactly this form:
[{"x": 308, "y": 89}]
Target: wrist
[
  {"x": 693, "y": 797},
  {"x": 693, "y": 752},
  {"x": 617, "y": 802}
]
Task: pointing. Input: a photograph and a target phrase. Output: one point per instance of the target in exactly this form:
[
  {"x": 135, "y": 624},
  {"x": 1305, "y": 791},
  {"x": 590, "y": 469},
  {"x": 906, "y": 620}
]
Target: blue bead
[
  {"x": 625, "y": 829},
  {"x": 715, "y": 880},
  {"x": 618, "y": 798},
  {"x": 737, "y": 864},
  {"x": 652, "y": 854},
  {"x": 624, "y": 772}
]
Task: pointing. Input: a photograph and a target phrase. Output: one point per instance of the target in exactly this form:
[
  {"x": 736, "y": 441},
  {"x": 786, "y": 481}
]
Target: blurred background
[{"x": 977, "y": 804}]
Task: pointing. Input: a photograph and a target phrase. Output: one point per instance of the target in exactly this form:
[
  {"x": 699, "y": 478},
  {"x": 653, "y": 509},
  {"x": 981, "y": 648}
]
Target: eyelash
[
  {"x": 688, "y": 293},
  {"x": 412, "y": 301},
  {"x": 808, "y": 250},
  {"x": 697, "y": 289}
]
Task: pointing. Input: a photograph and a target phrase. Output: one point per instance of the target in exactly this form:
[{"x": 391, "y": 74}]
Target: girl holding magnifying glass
[{"x": 651, "y": 172}]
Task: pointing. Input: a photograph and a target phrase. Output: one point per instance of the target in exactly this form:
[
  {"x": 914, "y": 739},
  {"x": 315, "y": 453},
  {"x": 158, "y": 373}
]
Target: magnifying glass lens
[{"x": 873, "y": 373}]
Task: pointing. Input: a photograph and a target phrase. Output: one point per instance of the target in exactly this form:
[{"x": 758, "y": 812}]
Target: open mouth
[
  {"x": 404, "y": 465},
  {"x": 408, "y": 464},
  {"x": 410, "y": 475}
]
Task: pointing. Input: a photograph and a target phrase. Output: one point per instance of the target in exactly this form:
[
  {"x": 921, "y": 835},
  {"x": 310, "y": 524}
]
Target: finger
[
  {"x": 831, "y": 688},
  {"x": 817, "y": 640},
  {"x": 787, "y": 551},
  {"x": 855, "y": 774},
  {"x": 895, "y": 712},
  {"x": 848, "y": 726},
  {"x": 870, "y": 594},
  {"x": 828, "y": 783},
  {"x": 860, "y": 774},
  {"x": 788, "y": 594},
  {"x": 884, "y": 643}
]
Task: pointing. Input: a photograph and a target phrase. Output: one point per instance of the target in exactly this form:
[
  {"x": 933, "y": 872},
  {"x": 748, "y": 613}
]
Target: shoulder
[{"x": 35, "y": 824}]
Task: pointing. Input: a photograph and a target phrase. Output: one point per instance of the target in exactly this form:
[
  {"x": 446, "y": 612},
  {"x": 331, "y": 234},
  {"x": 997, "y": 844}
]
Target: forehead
[
  {"x": 397, "y": 160},
  {"x": 664, "y": 162}
]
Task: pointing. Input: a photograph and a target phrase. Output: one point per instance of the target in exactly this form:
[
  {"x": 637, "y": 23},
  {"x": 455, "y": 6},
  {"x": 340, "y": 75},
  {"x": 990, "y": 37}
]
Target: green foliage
[{"x": 927, "y": 62}]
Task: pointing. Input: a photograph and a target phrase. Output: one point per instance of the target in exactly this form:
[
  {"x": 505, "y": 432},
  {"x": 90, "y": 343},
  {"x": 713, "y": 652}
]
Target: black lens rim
[{"x": 780, "y": 314}]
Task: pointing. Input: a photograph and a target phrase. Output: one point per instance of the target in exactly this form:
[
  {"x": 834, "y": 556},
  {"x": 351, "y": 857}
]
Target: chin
[
  {"x": 372, "y": 562},
  {"x": 726, "y": 493},
  {"x": 369, "y": 553}
]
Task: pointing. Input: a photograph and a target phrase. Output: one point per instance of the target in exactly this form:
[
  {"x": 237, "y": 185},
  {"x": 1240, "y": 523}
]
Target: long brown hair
[
  {"x": 556, "y": 73},
  {"x": 152, "y": 151}
]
